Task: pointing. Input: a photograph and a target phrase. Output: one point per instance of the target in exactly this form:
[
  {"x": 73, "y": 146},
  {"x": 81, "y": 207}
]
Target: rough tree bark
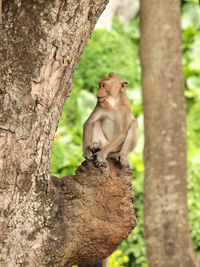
[
  {"x": 45, "y": 221},
  {"x": 167, "y": 236}
]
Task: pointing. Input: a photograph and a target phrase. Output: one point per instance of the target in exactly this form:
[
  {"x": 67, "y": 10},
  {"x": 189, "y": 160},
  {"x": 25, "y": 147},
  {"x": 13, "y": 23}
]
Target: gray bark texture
[
  {"x": 167, "y": 235},
  {"x": 45, "y": 221}
]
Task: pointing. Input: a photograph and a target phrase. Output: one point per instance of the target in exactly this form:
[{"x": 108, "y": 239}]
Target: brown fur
[{"x": 111, "y": 130}]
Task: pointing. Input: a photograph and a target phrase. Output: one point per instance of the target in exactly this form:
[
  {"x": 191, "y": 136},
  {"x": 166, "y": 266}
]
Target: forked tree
[{"x": 45, "y": 221}]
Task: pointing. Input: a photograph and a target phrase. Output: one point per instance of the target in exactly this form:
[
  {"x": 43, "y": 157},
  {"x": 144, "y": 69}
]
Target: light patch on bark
[
  {"x": 50, "y": 81},
  {"x": 172, "y": 163},
  {"x": 1, "y": 164}
]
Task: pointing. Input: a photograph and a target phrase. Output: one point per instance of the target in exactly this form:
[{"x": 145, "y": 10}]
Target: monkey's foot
[
  {"x": 94, "y": 147},
  {"x": 121, "y": 158},
  {"x": 124, "y": 160},
  {"x": 100, "y": 161}
]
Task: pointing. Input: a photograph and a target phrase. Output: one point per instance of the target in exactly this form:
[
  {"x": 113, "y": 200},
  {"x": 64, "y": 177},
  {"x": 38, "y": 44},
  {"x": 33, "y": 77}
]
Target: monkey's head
[{"x": 110, "y": 88}]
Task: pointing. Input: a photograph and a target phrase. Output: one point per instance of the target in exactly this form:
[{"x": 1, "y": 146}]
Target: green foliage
[
  {"x": 117, "y": 259},
  {"x": 67, "y": 147},
  {"x": 104, "y": 53},
  {"x": 107, "y": 52},
  {"x": 191, "y": 63},
  {"x": 194, "y": 203},
  {"x": 117, "y": 51},
  {"x": 192, "y": 1}
]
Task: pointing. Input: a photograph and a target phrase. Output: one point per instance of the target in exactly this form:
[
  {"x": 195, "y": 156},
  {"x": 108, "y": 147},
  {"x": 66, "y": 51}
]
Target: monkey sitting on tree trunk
[{"x": 111, "y": 131}]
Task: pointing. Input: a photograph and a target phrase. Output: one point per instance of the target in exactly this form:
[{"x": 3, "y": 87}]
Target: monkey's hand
[
  {"x": 91, "y": 150},
  {"x": 119, "y": 157},
  {"x": 100, "y": 160},
  {"x": 94, "y": 147}
]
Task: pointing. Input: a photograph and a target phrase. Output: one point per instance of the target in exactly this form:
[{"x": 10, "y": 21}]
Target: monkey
[{"x": 111, "y": 131}]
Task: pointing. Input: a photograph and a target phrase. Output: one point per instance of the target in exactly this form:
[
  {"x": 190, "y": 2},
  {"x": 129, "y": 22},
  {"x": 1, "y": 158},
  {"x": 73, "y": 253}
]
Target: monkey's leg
[
  {"x": 128, "y": 145},
  {"x": 131, "y": 138},
  {"x": 116, "y": 141},
  {"x": 98, "y": 141}
]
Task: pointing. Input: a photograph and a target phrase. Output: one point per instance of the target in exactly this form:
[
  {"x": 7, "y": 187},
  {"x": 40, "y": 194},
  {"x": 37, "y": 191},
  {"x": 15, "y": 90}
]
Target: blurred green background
[{"x": 117, "y": 51}]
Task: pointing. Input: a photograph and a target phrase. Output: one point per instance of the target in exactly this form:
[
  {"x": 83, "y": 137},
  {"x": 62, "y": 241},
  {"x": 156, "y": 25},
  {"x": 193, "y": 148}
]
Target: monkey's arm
[
  {"x": 131, "y": 138},
  {"x": 88, "y": 126}
]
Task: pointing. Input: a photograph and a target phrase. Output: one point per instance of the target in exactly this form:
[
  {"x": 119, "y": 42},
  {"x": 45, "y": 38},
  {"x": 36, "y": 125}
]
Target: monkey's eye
[
  {"x": 102, "y": 84},
  {"x": 124, "y": 84}
]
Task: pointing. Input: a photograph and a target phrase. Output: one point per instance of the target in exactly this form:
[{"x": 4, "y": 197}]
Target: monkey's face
[
  {"x": 103, "y": 92},
  {"x": 110, "y": 89}
]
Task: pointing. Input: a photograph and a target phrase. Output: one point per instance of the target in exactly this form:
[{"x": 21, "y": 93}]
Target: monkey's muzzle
[{"x": 101, "y": 99}]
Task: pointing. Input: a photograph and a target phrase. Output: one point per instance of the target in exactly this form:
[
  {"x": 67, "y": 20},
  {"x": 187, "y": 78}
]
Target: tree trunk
[
  {"x": 167, "y": 236},
  {"x": 43, "y": 221}
]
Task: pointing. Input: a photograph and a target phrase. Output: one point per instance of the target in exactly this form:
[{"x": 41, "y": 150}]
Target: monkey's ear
[{"x": 123, "y": 86}]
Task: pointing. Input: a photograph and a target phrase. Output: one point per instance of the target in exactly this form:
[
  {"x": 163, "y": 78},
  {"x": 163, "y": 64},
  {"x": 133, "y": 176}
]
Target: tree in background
[{"x": 167, "y": 236}]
